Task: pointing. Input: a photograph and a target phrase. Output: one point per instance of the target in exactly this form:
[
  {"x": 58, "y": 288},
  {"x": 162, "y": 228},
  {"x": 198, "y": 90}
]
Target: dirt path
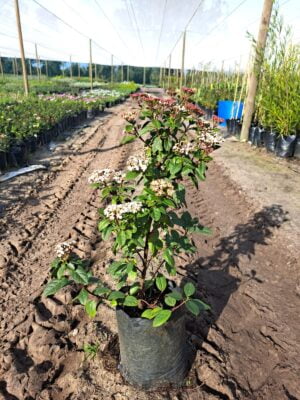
[{"x": 246, "y": 347}]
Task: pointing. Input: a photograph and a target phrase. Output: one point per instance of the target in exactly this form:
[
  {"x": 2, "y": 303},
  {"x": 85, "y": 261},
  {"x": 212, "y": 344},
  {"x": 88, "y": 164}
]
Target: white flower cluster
[
  {"x": 63, "y": 250},
  {"x": 212, "y": 138},
  {"x": 106, "y": 176},
  {"x": 137, "y": 163},
  {"x": 162, "y": 187},
  {"x": 184, "y": 148},
  {"x": 130, "y": 116},
  {"x": 116, "y": 211}
]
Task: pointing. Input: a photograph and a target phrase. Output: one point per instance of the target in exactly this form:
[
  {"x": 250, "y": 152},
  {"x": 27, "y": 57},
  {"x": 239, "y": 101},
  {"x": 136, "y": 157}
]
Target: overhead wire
[
  {"x": 137, "y": 27},
  {"x": 70, "y": 26},
  {"x": 161, "y": 29},
  {"x": 186, "y": 26}
]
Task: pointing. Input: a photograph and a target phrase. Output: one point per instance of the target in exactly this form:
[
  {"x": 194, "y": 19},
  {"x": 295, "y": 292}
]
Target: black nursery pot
[
  {"x": 285, "y": 146},
  {"x": 153, "y": 357},
  {"x": 297, "y": 148},
  {"x": 270, "y": 141}
]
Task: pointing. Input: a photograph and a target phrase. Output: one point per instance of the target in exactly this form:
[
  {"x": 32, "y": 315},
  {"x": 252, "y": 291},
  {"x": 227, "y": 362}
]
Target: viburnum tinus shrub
[{"x": 143, "y": 214}]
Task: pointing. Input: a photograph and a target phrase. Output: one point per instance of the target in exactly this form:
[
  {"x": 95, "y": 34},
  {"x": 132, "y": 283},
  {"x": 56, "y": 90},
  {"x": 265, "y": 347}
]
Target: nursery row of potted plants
[
  {"x": 31, "y": 122},
  {"x": 143, "y": 215}
]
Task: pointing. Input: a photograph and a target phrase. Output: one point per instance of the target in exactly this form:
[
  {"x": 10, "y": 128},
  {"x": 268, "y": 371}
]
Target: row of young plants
[
  {"x": 276, "y": 123},
  {"x": 27, "y": 122},
  {"x": 144, "y": 217}
]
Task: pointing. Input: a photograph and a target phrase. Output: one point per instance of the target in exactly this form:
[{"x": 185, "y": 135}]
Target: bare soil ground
[{"x": 248, "y": 270}]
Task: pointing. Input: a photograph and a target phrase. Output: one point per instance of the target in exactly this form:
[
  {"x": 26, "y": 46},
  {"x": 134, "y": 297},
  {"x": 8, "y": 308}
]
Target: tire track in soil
[{"x": 244, "y": 349}]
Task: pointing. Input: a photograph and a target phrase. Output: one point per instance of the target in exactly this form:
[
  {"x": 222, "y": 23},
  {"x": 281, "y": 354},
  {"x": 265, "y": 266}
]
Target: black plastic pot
[
  {"x": 251, "y": 134},
  {"x": 153, "y": 357},
  {"x": 258, "y": 137},
  {"x": 285, "y": 146},
  {"x": 3, "y": 160},
  {"x": 270, "y": 141},
  {"x": 297, "y": 148}
]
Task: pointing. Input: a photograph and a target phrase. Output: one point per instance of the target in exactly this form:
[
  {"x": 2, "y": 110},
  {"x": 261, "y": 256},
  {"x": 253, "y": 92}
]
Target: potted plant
[{"x": 143, "y": 215}]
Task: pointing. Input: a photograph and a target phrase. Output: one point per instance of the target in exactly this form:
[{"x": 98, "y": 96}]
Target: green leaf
[
  {"x": 203, "y": 306},
  {"x": 80, "y": 275},
  {"x": 54, "y": 286},
  {"x": 176, "y": 295},
  {"x": 103, "y": 224},
  {"x": 134, "y": 288},
  {"x": 116, "y": 295},
  {"x": 193, "y": 307},
  {"x": 128, "y": 139},
  {"x": 130, "y": 301},
  {"x": 161, "y": 283},
  {"x": 150, "y": 313},
  {"x": 168, "y": 257},
  {"x": 156, "y": 214},
  {"x": 91, "y": 308},
  {"x": 101, "y": 290},
  {"x": 82, "y": 297},
  {"x": 156, "y": 124},
  {"x": 61, "y": 270},
  {"x": 157, "y": 145},
  {"x": 129, "y": 128},
  {"x": 107, "y": 231},
  {"x": 170, "y": 301},
  {"x": 132, "y": 175},
  {"x": 161, "y": 318},
  {"x": 189, "y": 289}
]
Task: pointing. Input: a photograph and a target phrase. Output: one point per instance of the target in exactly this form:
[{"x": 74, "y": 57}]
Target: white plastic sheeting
[{"x": 137, "y": 32}]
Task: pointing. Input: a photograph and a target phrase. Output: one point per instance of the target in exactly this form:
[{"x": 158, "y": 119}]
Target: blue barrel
[{"x": 229, "y": 109}]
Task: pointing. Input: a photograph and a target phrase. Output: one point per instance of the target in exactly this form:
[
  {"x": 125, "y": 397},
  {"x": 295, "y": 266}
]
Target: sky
[{"x": 139, "y": 32}]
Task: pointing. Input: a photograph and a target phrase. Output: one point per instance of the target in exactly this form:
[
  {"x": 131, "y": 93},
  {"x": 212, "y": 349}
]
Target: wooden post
[
  {"x": 160, "y": 76},
  {"x": 253, "y": 82},
  {"x": 16, "y": 66},
  {"x": 182, "y": 77},
  {"x": 37, "y": 62},
  {"x": 169, "y": 72},
  {"x": 96, "y": 72},
  {"x": 20, "y": 36},
  {"x": 13, "y": 66},
  {"x": 71, "y": 72},
  {"x": 30, "y": 68},
  {"x": 46, "y": 66},
  {"x": 1, "y": 67},
  {"x": 112, "y": 69},
  {"x": 91, "y": 64}
]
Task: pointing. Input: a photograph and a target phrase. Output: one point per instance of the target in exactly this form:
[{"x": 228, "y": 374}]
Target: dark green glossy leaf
[
  {"x": 80, "y": 275},
  {"x": 54, "y": 286},
  {"x": 82, "y": 297},
  {"x": 170, "y": 301},
  {"x": 151, "y": 312},
  {"x": 193, "y": 307},
  {"x": 189, "y": 289}
]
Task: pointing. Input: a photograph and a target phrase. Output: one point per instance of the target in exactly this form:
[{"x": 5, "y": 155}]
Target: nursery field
[{"x": 247, "y": 269}]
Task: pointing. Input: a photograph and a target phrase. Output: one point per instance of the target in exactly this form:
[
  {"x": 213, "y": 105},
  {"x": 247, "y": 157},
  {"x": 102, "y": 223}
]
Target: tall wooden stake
[
  {"x": 1, "y": 67},
  {"x": 112, "y": 69},
  {"x": 37, "y": 62},
  {"x": 160, "y": 76},
  {"x": 71, "y": 72},
  {"x": 20, "y": 36},
  {"x": 253, "y": 82},
  {"x": 16, "y": 66},
  {"x": 91, "y": 65},
  {"x": 182, "y": 60},
  {"x": 169, "y": 72}
]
